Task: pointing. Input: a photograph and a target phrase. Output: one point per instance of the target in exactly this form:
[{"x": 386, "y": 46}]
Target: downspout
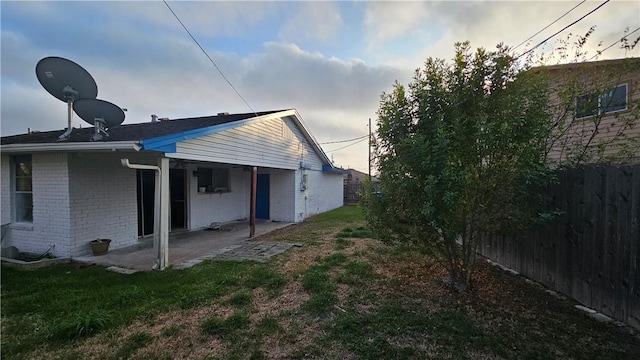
[{"x": 161, "y": 210}]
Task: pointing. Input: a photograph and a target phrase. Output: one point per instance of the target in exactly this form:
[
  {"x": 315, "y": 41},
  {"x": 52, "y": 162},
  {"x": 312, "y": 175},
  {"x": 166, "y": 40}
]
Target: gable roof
[
  {"x": 159, "y": 136},
  {"x": 132, "y": 132}
]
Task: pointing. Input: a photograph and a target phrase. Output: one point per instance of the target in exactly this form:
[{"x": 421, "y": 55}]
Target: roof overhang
[{"x": 62, "y": 146}]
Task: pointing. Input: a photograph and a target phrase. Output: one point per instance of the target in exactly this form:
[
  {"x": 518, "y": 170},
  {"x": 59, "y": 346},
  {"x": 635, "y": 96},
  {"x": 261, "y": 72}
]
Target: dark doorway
[
  {"x": 177, "y": 198},
  {"x": 262, "y": 196},
  {"x": 146, "y": 186}
]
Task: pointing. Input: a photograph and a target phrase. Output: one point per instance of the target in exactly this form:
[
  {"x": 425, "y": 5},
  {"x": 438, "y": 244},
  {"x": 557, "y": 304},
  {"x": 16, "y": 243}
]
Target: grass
[
  {"x": 62, "y": 304},
  {"x": 133, "y": 343},
  {"x": 342, "y": 295},
  {"x": 219, "y": 326}
]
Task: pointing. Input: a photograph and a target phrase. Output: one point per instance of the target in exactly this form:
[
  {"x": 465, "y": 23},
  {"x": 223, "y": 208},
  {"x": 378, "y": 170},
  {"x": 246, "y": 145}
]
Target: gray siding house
[{"x": 58, "y": 196}]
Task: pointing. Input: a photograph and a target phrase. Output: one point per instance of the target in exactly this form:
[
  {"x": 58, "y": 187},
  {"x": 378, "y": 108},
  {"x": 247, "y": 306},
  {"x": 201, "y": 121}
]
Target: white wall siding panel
[
  {"x": 263, "y": 144},
  {"x": 103, "y": 201},
  {"x": 310, "y": 159},
  {"x": 206, "y": 208}
]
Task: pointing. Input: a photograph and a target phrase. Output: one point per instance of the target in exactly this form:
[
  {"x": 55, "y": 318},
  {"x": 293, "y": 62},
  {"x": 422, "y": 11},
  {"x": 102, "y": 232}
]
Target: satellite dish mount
[{"x": 100, "y": 127}]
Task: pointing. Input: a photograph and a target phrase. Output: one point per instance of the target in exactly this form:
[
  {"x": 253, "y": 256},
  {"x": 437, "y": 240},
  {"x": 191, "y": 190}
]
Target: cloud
[
  {"x": 206, "y": 18},
  {"x": 312, "y": 21},
  {"x": 385, "y": 21}
]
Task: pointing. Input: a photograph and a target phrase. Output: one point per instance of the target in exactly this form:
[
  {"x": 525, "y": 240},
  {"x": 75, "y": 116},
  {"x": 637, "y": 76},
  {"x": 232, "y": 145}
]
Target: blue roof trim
[
  {"x": 170, "y": 148},
  {"x": 161, "y": 142},
  {"x": 331, "y": 169}
]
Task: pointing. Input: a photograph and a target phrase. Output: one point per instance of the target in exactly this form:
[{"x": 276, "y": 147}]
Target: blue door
[{"x": 262, "y": 196}]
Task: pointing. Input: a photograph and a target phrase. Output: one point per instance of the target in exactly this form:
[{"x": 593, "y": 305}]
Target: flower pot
[{"x": 100, "y": 246}]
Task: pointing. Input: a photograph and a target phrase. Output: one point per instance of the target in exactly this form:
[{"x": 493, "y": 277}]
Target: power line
[
  {"x": 209, "y": 57},
  {"x": 615, "y": 42},
  {"x": 561, "y": 30},
  {"x": 357, "y": 142},
  {"x": 343, "y": 141},
  {"x": 546, "y": 27}
]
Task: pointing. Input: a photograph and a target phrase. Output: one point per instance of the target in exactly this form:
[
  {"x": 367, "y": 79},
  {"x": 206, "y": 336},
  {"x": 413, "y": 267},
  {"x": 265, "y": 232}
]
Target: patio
[{"x": 187, "y": 248}]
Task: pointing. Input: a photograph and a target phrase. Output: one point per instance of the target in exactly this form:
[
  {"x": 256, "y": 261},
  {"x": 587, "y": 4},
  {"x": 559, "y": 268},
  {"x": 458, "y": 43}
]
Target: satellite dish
[
  {"x": 67, "y": 81},
  {"x": 99, "y": 113}
]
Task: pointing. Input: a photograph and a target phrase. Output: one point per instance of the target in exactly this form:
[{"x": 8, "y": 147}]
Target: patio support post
[
  {"x": 163, "y": 241},
  {"x": 252, "y": 217}
]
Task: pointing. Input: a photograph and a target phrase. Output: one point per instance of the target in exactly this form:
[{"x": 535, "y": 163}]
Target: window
[
  {"x": 213, "y": 180},
  {"x": 23, "y": 196},
  {"x": 612, "y": 100}
]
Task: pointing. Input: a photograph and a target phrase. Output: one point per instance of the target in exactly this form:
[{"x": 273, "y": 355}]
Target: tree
[{"x": 461, "y": 152}]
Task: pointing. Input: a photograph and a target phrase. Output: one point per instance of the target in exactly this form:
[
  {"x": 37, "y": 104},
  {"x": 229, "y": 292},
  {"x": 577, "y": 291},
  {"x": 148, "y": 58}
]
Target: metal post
[
  {"x": 163, "y": 254},
  {"x": 252, "y": 218}
]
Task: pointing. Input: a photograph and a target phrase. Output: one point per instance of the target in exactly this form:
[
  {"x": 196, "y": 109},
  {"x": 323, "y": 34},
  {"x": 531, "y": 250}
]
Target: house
[
  {"x": 596, "y": 109},
  {"x": 59, "y": 195},
  {"x": 354, "y": 183}
]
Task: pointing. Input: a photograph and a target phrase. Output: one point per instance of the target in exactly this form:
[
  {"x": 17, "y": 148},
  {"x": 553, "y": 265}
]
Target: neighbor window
[
  {"x": 23, "y": 204},
  {"x": 612, "y": 100},
  {"x": 213, "y": 180}
]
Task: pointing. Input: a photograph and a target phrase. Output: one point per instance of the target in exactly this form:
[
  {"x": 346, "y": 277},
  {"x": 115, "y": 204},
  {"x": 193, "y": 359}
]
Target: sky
[{"x": 329, "y": 60}]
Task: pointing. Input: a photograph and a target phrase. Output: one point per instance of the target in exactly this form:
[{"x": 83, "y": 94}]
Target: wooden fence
[
  {"x": 351, "y": 192},
  {"x": 592, "y": 252}
]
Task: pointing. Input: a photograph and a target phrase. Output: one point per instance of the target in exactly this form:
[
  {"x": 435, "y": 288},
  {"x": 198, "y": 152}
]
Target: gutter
[{"x": 88, "y": 146}]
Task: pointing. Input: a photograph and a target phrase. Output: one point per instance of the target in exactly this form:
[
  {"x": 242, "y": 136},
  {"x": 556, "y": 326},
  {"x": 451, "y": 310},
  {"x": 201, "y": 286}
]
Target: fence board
[
  {"x": 610, "y": 244},
  {"x": 633, "y": 317},
  {"x": 597, "y": 240},
  {"x": 624, "y": 227}
]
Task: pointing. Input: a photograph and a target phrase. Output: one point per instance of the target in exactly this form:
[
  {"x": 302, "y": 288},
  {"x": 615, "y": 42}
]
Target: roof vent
[{"x": 223, "y": 113}]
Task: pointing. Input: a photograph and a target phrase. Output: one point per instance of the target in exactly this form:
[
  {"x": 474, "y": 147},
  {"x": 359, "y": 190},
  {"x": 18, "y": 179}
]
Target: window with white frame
[
  {"x": 612, "y": 100},
  {"x": 23, "y": 191},
  {"x": 213, "y": 179}
]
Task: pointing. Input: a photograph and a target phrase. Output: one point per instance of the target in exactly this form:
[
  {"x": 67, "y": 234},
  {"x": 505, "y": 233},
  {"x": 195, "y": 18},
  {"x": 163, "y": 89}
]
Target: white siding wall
[
  {"x": 205, "y": 208},
  {"x": 51, "y": 213},
  {"x": 273, "y": 143},
  {"x": 103, "y": 201},
  {"x": 282, "y": 195}
]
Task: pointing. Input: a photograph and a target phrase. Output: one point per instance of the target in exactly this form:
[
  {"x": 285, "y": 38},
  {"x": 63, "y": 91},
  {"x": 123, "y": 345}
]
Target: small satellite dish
[
  {"x": 99, "y": 113},
  {"x": 67, "y": 81}
]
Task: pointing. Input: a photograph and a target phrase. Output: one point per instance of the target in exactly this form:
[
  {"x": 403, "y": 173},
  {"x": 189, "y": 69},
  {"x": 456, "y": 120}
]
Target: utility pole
[{"x": 369, "y": 149}]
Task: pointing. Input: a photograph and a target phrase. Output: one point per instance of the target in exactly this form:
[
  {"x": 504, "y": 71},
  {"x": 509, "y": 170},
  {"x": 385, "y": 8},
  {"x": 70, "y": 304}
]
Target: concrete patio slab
[{"x": 189, "y": 248}]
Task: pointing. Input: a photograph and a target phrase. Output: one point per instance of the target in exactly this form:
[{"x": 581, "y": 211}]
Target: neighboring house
[
  {"x": 596, "y": 107},
  {"x": 61, "y": 195},
  {"x": 353, "y": 184}
]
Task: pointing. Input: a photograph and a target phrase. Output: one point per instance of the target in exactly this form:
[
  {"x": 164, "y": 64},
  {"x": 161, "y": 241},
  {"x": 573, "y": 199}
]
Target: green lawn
[{"x": 341, "y": 296}]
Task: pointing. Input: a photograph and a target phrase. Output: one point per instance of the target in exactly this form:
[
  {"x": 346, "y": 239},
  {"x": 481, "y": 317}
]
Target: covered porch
[{"x": 187, "y": 248}]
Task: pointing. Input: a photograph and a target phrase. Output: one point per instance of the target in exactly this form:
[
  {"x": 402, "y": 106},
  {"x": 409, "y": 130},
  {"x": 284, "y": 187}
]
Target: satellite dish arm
[{"x": 66, "y": 134}]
